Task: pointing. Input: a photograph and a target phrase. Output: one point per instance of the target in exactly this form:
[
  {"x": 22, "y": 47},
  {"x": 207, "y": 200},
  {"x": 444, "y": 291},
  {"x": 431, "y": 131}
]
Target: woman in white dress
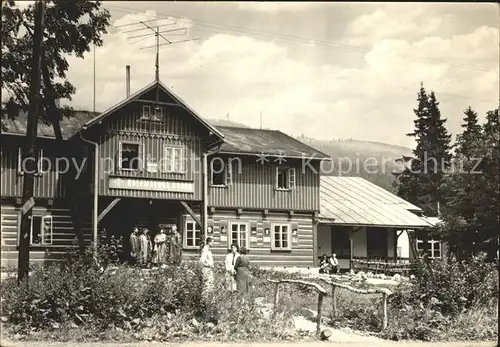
[
  {"x": 229, "y": 265},
  {"x": 207, "y": 268}
]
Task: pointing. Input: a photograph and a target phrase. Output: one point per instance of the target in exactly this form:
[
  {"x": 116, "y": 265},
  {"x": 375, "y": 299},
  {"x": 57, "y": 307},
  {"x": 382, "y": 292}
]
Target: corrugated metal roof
[
  {"x": 355, "y": 201},
  {"x": 268, "y": 142}
]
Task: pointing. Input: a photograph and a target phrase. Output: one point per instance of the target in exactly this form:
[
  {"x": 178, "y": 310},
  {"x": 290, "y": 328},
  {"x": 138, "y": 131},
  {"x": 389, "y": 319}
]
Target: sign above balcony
[{"x": 151, "y": 185}]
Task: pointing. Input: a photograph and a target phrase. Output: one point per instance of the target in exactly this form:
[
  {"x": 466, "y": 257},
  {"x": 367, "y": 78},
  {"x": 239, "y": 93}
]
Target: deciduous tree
[{"x": 70, "y": 28}]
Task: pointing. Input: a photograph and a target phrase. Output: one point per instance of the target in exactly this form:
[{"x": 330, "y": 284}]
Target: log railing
[
  {"x": 384, "y": 291},
  {"x": 376, "y": 266},
  {"x": 320, "y": 290}
]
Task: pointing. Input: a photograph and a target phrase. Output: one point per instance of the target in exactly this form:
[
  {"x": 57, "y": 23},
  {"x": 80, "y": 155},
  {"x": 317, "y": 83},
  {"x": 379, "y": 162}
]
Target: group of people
[
  {"x": 236, "y": 265},
  {"x": 329, "y": 265},
  {"x": 145, "y": 252}
]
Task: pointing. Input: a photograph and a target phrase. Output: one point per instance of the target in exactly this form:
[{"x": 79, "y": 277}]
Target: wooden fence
[
  {"x": 322, "y": 293},
  {"x": 384, "y": 291},
  {"x": 381, "y": 267},
  {"x": 320, "y": 290}
]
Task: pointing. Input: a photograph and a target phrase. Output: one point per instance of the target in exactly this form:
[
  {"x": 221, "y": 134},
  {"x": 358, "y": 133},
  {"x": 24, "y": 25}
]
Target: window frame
[
  {"x": 140, "y": 155},
  {"x": 42, "y": 233},
  {"x": 290, "y": 178},
  {"x": 154, "y": 115},
  {"x": 38, "y": 164},
  {"x": 432, "y": 243},
  {"x": 196, "y": 228},
  {"x": 143, "y": 115},
  {"x": 173, "y": 169},
  {"x": 247, "y": 231},
  {"x": 228, "y": 174},
  {"x": 273, "y": 237}
]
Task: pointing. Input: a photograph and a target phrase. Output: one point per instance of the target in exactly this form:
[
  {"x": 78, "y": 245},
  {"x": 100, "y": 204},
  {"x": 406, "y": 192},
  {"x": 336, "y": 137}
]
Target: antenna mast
[
  {"x": 157, "y": 72},
  {"x": 155, "y": 29}
]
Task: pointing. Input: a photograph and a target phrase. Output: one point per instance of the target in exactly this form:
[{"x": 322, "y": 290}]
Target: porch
[{"x": 365, "y": 225}]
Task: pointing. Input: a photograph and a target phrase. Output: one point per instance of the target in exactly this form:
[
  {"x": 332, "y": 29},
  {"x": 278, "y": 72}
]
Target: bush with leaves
[{"x": 441, "y": 297}]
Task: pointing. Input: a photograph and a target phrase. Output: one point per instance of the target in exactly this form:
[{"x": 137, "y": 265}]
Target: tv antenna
[{"x": 155, "y": 30}]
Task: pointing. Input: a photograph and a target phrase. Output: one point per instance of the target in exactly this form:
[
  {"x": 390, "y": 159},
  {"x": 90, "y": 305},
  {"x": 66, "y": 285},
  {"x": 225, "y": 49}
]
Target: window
[
  {"x": 41, "y": 230},
  {"x": 192, "y": 234},
  {"x": 174, "y": 161},
  {"x": 146, "y": 112},
  {"x": 239, "y": 235},
  {"x": 42, "y": 164},
  {"x": 220, "y": 173},
  {"x": 281, "y": 237},
  {"x": 285, "y": 178},
  {"x": 131, "y": 155},
  {"x": 157, "y": 114},
  {"x": 434, "y": 250}
]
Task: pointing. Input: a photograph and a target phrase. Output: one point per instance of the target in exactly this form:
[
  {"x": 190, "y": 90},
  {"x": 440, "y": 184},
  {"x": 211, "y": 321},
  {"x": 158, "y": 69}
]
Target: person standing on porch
[
  {"x": 207, "y": 270},
  {"x": 175, "y": 246},
  {"x": 160, "y": 248},
  {"x": 145, "y": 247},
  {"x": 231, "y": 258},
  {"x": 134, "y": 246}
]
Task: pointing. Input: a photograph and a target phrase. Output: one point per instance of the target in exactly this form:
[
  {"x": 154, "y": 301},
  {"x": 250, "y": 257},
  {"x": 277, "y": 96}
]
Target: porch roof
[{"x": 358, "y": 202}]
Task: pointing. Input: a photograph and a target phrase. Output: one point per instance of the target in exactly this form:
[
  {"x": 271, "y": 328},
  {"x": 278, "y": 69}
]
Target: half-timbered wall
[{"x": 253, "y": 186}]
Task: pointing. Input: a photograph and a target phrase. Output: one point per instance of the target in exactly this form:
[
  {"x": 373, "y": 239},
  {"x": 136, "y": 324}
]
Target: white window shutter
[
  {"x": 229, "y": 174},
  {"x": 291, "y": 178},
  {"x": 277, "y": 173},
  {"x": 46, "y": 229},
  {"x": 120, "y": 149},
  {"x": 142, "y": 156},
  {"x": 20, "y": 161},
  {"x": 40, "y": 162}
]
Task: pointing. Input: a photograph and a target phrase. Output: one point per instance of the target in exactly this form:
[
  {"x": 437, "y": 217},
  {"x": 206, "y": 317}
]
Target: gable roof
[
  {"x": 269, "y": 142},
  {"x": 69, "y": 126},
  {"x": 356, "y": 201},
  {"x": 147, "y": 88}
]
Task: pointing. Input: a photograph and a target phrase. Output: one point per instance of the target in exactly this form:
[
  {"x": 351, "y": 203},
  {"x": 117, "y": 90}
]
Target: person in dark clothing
[
  {"x": 241, "y": 267},
  {"x": 323, "y": 264}
]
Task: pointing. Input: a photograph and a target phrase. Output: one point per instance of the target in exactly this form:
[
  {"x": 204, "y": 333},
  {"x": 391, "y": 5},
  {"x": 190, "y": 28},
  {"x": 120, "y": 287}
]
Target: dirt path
[{"x": 353, "y": 343}]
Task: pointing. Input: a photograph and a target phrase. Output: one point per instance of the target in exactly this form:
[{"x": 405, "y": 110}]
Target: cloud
[
  {"x": 244, "y": 76},
  {"x": 393, "y": 21},
  {"x": 277, "y": 6}
]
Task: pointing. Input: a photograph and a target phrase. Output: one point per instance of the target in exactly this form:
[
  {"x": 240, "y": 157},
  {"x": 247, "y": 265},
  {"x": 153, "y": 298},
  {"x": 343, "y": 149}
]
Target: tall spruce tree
[
  {"x": 460, "y": 189},
  {"x": 487, "y": 214},
  {"x": 420, "y": 180}
]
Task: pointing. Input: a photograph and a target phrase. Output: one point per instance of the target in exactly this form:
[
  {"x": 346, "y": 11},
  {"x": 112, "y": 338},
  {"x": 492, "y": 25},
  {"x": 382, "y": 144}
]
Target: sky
[{"x": 324, "y": 70}]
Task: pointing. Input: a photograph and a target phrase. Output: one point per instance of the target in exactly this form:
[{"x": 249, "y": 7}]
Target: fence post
[
  {"x": 384, "y": 311},
  {"x": 276, "y": 295},
  {"x": 334, "y": 300},
  {"x": 320, "y": 304}
]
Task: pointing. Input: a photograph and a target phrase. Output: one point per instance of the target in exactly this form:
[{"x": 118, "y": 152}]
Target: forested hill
[{"x": 373, "y": 161}]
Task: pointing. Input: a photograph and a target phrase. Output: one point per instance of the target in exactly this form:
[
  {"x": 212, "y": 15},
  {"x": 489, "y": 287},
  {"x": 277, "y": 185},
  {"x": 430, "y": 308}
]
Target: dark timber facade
[{"x": 159, "y": 162}]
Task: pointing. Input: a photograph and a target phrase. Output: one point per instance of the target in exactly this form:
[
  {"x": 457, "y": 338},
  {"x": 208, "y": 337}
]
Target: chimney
[{"x": 127, "y": 68}]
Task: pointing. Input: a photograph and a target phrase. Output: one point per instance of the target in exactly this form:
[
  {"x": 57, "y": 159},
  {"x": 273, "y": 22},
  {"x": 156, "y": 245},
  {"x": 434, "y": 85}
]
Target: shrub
[
  {"x": 446, "y": 299},
  {"x": 85, "y": 301}
]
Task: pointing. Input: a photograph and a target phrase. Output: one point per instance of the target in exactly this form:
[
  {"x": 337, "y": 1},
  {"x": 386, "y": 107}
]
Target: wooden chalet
[{"x": 152, "y": 161}]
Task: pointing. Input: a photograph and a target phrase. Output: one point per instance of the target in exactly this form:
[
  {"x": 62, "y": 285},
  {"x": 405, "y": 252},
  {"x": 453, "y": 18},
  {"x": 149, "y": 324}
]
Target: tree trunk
[
  {"x": 30, "y": 146},
  {"x": 54, "y": 118}
]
